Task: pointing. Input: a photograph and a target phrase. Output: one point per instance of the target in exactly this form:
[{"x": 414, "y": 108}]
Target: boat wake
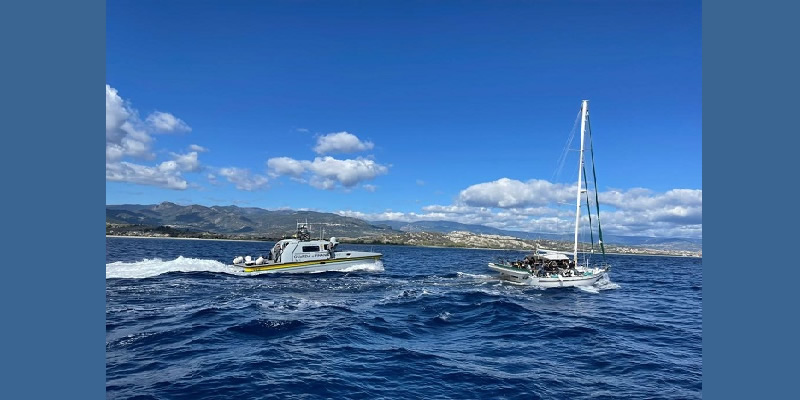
[
  {"x": 372, "y": 266},
  {"x": 606, "y": 284},
  {"x": 603, "y": 284},
  {"x": 474, "y": 276},
  {"x": 155, "y": 266},
  {"x": 148, "y": 268}
]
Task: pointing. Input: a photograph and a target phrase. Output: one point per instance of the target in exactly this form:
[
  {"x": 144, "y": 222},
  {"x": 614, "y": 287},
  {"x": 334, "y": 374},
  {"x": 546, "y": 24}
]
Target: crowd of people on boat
[{"x": 543, "y": 267}]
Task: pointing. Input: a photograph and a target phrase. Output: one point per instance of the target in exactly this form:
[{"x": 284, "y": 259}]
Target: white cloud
[
  {"x": 144, "y": 175},
  {"x": 285, "y": 166},
  {"x": 328, "y": 172},
  {"x": 539, "y": 206},
  {"x": 341, "y": 142},
  {"x": 197, "y": 148},
  {"x": 166, "y": 122},
  {"x": 348, "y": 173},
  {"x": 384, "y": 216},
  {"x": 243, "y": 179},
  {"x": 125, "y": 135},
  {"x": 168, "y": 174},
  {"x": 186, "y": 162},
  {"x": 645, "y": 199},
  {"x": 369, "y": 188},
  {"x": 129, "y": 137},
  {"x": 510, "y": 193}
]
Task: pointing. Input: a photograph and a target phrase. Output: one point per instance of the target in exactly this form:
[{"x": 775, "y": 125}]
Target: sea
[{"x": 433, "y": 323}]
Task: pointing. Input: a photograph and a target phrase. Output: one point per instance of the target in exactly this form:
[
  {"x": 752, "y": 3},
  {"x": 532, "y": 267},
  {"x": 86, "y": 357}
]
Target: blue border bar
[{"x": 53, "y": 152}]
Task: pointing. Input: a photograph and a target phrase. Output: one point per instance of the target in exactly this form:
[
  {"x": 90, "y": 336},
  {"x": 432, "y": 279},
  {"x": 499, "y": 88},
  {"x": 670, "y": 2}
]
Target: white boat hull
[
  {"x": 369, "y": 262},
  {"x": 523, "y": 277}
]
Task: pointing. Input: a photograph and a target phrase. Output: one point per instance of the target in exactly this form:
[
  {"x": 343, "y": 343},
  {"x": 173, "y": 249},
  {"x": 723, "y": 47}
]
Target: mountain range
[
  {"x": 280, "y": 223},
  {"x": 240, "y": 220}
]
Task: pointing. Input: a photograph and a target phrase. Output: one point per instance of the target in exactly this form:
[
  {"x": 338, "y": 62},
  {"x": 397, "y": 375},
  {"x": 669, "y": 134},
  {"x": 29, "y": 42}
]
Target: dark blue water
[{"x": 434, "y": 324}]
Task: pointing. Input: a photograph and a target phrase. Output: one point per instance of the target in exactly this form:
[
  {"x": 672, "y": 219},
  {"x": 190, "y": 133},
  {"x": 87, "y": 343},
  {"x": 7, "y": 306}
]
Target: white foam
[
  {"x": 605, "y": 284},
  {"x": 373, "y": 266},
  {"x": 477, "y": 276},
  {"x": 156, "y": 266},
  {"x": 444, "y": 316},
  {"x": 152, "y": 267},
  {"x": 589, "y": 289}
]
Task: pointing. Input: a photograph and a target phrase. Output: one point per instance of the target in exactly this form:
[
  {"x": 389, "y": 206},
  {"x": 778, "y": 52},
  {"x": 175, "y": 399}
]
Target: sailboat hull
[{"x": 523, "y": 277}]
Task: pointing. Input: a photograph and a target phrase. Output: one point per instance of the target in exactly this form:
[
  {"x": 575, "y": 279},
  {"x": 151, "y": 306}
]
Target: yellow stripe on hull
[{"x": 272, "y": 267}]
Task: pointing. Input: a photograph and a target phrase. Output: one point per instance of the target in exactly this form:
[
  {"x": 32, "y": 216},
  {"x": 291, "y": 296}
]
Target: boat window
[{"x": 308, "y": 249}]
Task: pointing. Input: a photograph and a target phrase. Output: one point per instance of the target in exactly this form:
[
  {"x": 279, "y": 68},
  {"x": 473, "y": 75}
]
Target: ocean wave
[
  {"x": 422, "y": 328},
  {"x": 148, "y": 268}
]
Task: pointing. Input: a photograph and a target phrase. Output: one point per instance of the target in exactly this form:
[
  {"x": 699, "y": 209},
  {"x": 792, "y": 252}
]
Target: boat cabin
[{"x": 295, "y": 250}]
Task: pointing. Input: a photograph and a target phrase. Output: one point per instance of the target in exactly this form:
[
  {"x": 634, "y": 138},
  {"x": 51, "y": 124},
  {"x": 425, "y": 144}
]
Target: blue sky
[{"x": 408, "y": 110}]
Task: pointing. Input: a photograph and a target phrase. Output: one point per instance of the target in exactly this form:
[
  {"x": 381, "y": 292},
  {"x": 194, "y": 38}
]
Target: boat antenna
[{"x": 584, "y": 113}]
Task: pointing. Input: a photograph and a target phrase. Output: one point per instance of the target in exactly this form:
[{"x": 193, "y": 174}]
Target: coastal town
[{"x": 455, "y": 239}]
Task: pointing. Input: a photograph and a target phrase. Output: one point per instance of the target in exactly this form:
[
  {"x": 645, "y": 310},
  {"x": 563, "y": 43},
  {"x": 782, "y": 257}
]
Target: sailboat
[{"x": 549, "y": 268}]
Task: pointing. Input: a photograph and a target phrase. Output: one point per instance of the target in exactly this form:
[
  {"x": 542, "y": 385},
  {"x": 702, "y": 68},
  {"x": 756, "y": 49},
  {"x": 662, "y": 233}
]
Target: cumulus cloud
[
  {"x": 539, "y": 206},
  {"x": 243, "y": 179},
  {"x": 127, "y": 136},
  {"x": 645, "y": 199},
  {"x": 328, "y": 172},
  {"x": 348, "y": 173},
  {"x": 286, "y": 166},
  {"x": 341, "y": 142},
  {"x": 168, "y": 174},
  {"x": 185, "y": 162},
  {"x": 197, "y": 148},
  {"x": 166, "y": 122},
  {"x": 511, "y": 193}
]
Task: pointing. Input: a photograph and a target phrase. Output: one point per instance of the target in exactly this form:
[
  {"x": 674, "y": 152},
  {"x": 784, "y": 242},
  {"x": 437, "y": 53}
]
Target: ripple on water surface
[{"x": 433, "y": 323}]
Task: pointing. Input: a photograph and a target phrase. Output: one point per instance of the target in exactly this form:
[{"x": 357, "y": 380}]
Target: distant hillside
[
  {"x": 680, "y": 244},
  {"x": 170, "y": 219},
  {"x": 488, "y": 241},
  {"x": 239, "y": 220}
]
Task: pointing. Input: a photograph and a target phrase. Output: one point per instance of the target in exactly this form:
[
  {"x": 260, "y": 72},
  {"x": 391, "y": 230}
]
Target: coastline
[{"x": 393, "y": 244}]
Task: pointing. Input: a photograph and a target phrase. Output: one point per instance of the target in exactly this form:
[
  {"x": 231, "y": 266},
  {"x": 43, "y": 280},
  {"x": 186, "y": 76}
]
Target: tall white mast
[{"x": 584, "y": 112}]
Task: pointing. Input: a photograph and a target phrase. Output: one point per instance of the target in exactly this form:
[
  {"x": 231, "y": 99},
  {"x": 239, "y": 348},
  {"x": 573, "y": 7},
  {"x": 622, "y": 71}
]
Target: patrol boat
[
  {"x": 302, "y": 254},
  {"x": 548, "y": 268}
]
